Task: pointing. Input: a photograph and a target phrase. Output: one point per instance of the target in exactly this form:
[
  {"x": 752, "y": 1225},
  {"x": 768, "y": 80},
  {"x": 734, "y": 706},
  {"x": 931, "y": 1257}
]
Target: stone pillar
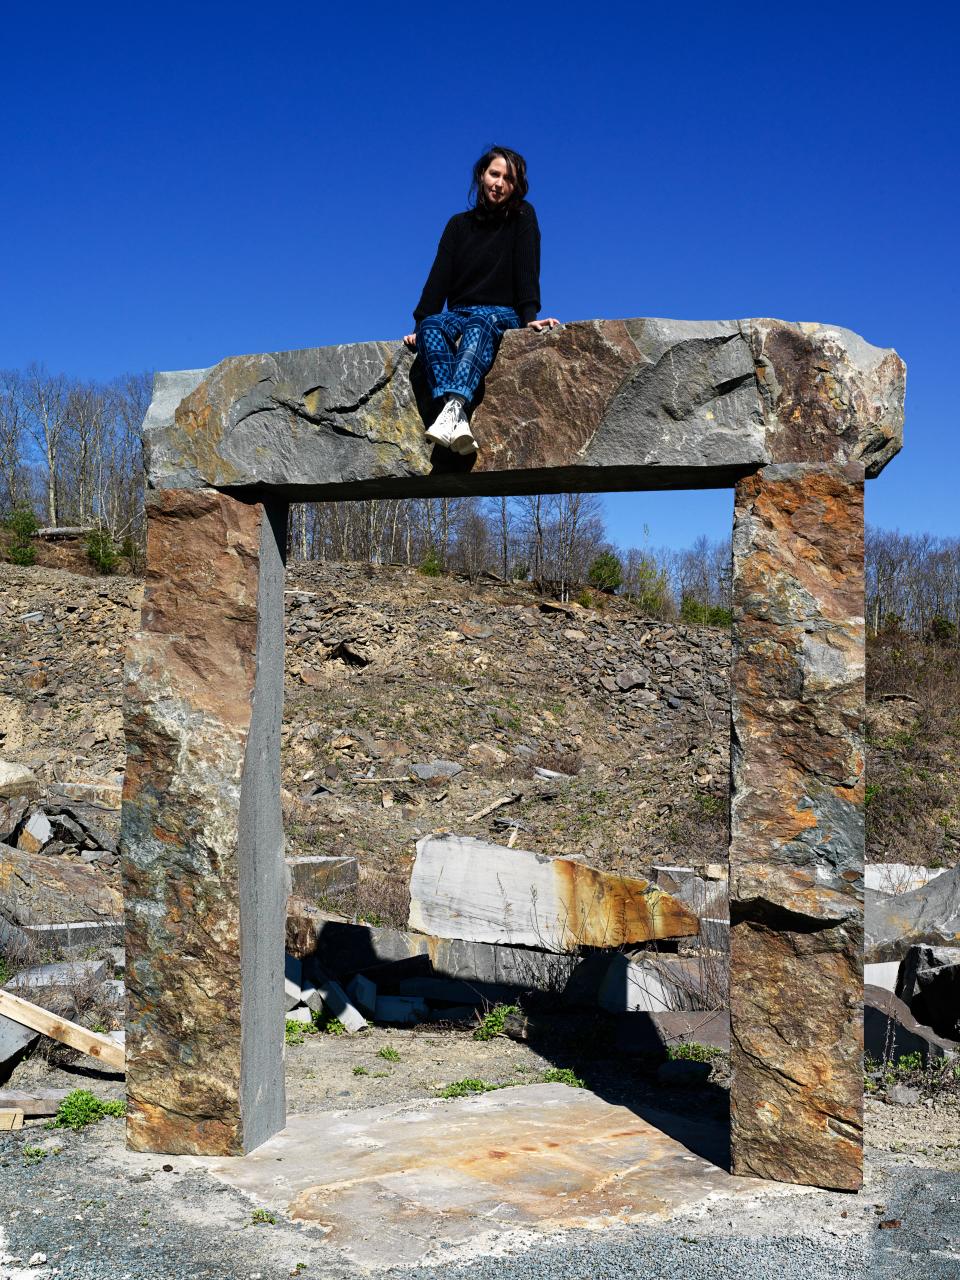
[
  {"x": 796, "y": 853},
  {"x": 202, "y": 836}
]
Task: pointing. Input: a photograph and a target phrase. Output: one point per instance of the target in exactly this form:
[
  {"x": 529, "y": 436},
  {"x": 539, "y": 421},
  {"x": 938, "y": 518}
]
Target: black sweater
[{"x": 486, "y": 263}]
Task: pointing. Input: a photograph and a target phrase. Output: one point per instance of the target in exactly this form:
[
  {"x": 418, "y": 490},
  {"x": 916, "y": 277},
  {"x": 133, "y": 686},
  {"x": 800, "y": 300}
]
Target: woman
[{"x": 487, "y": 271}]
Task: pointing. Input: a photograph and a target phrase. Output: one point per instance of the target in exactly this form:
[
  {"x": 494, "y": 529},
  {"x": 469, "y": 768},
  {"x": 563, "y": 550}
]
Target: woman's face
[{"x": 498, "y": 182}]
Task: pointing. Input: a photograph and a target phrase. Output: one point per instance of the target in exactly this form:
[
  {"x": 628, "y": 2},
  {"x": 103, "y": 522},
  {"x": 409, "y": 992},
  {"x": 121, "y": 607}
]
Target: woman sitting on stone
[{"x": 487, "y": 271}]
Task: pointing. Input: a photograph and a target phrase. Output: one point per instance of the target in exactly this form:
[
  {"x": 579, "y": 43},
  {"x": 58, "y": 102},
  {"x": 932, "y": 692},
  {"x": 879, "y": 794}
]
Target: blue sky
[{"x": 182, "y": 183}]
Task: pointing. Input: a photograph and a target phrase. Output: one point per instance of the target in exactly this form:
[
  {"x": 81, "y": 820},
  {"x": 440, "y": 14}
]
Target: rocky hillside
[{"x": 418, "y": 704}]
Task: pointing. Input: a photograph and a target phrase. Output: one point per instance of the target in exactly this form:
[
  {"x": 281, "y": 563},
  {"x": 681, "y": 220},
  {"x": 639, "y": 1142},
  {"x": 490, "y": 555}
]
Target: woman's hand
[
  {"x": 410, "y": 340},
  {"x": 540, "y": 325}
]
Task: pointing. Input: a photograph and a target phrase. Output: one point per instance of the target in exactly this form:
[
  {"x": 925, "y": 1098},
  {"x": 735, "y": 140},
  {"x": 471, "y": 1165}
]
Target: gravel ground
[{"x": 99, "y": 1212}]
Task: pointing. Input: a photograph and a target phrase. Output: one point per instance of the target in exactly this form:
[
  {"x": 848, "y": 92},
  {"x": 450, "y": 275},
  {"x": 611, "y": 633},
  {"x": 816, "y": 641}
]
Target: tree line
[
  {"x": 71, "y": 454},
  {"x": 70, "y": 450}
]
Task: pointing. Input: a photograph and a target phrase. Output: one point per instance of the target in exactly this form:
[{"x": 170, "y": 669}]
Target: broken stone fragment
[
  {"x": 891, "y": 1031},
  {"x": 36, "y": 890},
  {"x": 478, "y": 891},
  {"x": 928, "y": 915},
  {"x": 17, "y": 780}
]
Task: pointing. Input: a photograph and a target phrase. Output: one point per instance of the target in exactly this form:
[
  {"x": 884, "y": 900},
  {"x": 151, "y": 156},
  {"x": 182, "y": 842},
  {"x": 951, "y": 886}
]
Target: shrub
[
  {"x": 20, "y": 553},
  {"x": 463, "y": 1088},
  {"x": 431, "y": 566},
  {"x": 697, "y": 614},
  {"x": 606, "y": 572},
  {"x": 101, "y": 552},
  {"x": 22, "y": 523}
]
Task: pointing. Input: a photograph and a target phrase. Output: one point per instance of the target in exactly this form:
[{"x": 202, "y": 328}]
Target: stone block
[
  {"x": 657, "y": 403},
  {"x": 363, "y": 993},
  {"x": 796, "y": 852},
  {"x": 303, "y": 1016},
  {"x": 35, "y": 833},
  {"x": 929, "y": 982},
  {"x": 882, "y": 975},
  {"x": 201, "y": 831},
  {"x": 17, "y": 780},
  {"x": 75, "y": 935},
  {"x": 650, "y": 986},
  {"x": 929, "y": 915},
  {"x": 319, "y": 879},
  {"x": 75, "y": 973},
  {"x": 37, "y": 890},
  {"x": 481, "y": 892},
  {"x": 404, "y": 1010},
  {"x": 328, "y": 995},
  {"x": 891, "y": 1031}
]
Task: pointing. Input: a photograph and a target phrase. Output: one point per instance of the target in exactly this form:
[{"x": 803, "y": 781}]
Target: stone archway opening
[
  {"x": 451, "y": 732},
  {"x": 791, "y": 416}
]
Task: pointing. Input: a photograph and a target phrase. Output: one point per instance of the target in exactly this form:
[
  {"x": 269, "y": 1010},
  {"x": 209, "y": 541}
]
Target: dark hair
[{"x": 518, "y": 169}]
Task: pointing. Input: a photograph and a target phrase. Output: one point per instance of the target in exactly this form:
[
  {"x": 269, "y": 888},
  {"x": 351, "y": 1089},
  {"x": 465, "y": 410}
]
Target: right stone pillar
[{"x": 797, "y": 835}]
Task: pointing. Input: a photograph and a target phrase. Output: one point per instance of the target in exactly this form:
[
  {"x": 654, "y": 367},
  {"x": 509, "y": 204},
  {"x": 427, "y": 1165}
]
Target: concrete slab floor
[{"x": 393, "y": 1185}]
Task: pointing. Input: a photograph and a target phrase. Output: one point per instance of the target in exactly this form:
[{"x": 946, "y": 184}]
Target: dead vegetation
[{"x": 913, "y": 741}]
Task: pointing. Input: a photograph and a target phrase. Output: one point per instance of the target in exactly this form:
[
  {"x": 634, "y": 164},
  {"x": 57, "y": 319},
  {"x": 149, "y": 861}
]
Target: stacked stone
[{"x": 795, "y": 415}]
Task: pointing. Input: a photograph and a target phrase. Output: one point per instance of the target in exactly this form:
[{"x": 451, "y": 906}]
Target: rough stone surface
[
  {"x": 37, "y": 889},
  {"x": 929, "y": 982},
  {"x": 890, "y": 1030},
  {"x": 596, "y": 404},
  {"x": 483, "y": 892},
  {"x": 796, "y": 855},
  {"x": 17, "y": 780},
  {"x": 192, "y": 732},
  {"x": 931, "y": 915}
]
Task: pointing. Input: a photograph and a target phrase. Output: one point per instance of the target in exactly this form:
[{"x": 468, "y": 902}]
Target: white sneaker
[
  {"x": 462, "y": 438},
  {"x": 441, "y": 432}
]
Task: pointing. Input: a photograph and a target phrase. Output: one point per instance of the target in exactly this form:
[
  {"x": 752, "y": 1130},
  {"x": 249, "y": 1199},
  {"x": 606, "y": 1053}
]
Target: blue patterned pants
[{"x": 459, "y": 369}]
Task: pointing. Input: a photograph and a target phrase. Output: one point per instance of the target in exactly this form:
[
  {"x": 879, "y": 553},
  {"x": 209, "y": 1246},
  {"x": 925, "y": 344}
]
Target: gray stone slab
[
  {"x": 74, "y": 936},
  {"x": 14, "y": 1039},
  {"x": 404, "y": 1010},
  {"x": 67, "y": 974},
  {"x": 329, "y": 995},
  {"x": 655, "y": 404},
  {"x": 363, "y": 993}
]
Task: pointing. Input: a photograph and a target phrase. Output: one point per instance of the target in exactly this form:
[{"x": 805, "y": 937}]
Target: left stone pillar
[{"x": 202, "y": 835}]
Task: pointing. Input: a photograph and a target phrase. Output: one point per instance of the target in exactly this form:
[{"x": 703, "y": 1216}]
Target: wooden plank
[
  {"x": 10, "y": 1118},
  {"x": 91, "y": 1043},
  {"x": 36, "y": 1102}
]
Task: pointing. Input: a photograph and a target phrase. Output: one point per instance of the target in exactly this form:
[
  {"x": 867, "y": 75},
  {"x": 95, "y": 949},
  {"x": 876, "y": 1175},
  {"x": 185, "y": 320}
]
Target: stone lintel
[
  {"x": 796, "y": 852},
  {"x": 201, "y": 839},
  {"x": 593, "y": 405}
]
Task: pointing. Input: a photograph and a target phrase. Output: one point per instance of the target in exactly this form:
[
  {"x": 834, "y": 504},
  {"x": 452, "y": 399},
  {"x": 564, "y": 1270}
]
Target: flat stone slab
[
  {"x": 595, "y": 404},
  {"x": 400, "y": 1184}
]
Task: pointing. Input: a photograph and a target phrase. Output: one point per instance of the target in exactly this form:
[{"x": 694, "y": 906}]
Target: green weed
[
  {"x": 693, "y": 1052},
  {"x": 493, "y": 1021},
  {"x": 388, "y": 1053},
  {"x": 464, "y": 1088},
  {"x": 81, "y": 1108},
  {"x": 261, "y": 1217},
  {"x": 562, "y": 1075}
]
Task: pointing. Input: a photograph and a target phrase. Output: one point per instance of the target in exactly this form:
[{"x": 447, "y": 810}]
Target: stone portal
[{"x": 791, "y": 416}]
